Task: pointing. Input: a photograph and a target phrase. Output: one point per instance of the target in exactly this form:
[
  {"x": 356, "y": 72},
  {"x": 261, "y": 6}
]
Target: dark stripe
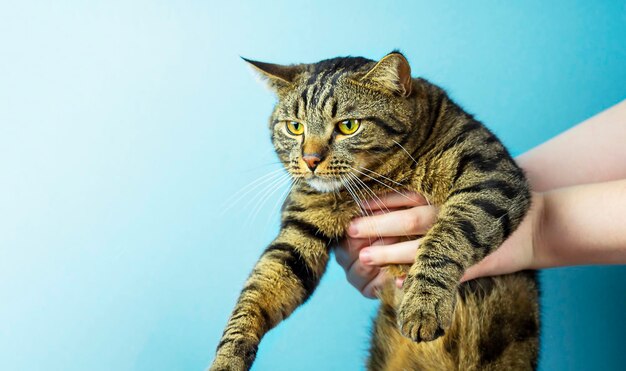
[
  {"x": 461, "y": 136},
  {"x": 303, "y": 96},
  {"x": 384, "y": 125},
  {"x": 440, "y": 261},
  {"x": 436, "y": 110},
  {"x": 304, "y": 272},
  {"x": 282, "y": 151},
  {"x": 478, "y": 161},
  {"x": 312, "y": 78},
  {"x": 223, "y": 342},
  {"x": 279, "y": 246},
  {"x": 325, "y": 100},
  {"x": 506, "y": 189},
  {"x": 314, "y": 97},
  {"x": 229, "y": 337},
  {"x": 377, "y": 149},
  {"x": 496, "y": 212},
  {"x": 398, "y": 123},
  {"x": 491, "y": 347},
  {"x": 335, "y": 78},
  {"x": 298, "y": 266},
  {"x": 239, "y": 315},
  {"x": 267, "y": 321},
  {"x": 297, "y": 108},
  {"x": 295, "y": 208},
  {"x": 308, "y": 191},
  {"x": 478, "y": 288},
  {"x": 428, "y": 143},
  {"x": 463, "y": 162},
  {"x": 251, "y": 287},
  {"x": 433, "y": 281},
  {"x": 333, "y": 111},
  {"x": 491, "y": 139},
  {"x": 469, "y": 232},
  {"x": 309, "y": 229}
]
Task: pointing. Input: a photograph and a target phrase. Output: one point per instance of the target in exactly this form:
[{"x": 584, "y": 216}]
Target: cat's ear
[
  {"x": 392, "y": 73},
  {"x": 277, "y": 76}
]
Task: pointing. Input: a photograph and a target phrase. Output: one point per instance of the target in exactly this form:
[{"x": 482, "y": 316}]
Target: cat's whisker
[
  {"x": 379, "y": 200},
  {"x": 255, "y": 183},
  {"x": 405, "y": 151},
  {"x": 268, "y": 192},
  {"x": 231, "y": 201},
  {"x": 386, "y": 185},
  {"x": 356, "y": 181},
  {"x": 393, "y": 181},
  {"x": 262, "y": 202},
  {"x": 362, "y": 200},
  {"x": 261, "y": 166},
  {"x": 384, "y": 177},
  {"x": 375, "y": 198},
  {"x": 347, "y": 187},
  {"x": 282, "y": 199}
]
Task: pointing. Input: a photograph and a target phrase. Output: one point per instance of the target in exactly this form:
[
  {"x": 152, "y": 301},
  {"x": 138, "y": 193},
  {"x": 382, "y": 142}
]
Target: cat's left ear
[
  {"x": 278, "y": 77},
  {"x": 392, "y": 73}
]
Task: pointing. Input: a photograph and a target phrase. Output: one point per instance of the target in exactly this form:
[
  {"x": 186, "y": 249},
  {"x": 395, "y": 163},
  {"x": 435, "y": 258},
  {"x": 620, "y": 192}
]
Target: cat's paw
[{"x": 425, "y": 311}]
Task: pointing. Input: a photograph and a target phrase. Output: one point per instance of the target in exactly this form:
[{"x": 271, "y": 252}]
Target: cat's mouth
[{"x": 324, "y": 184}]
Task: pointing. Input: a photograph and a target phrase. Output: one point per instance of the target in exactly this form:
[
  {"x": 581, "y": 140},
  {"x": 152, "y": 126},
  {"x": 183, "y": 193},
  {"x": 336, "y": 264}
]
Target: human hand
[
  {"x": 372, "y": 242},
  {"x": 519, "y": 251}
]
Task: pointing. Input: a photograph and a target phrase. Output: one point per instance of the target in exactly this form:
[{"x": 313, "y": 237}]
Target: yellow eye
[
  {"x": 348, "y": 127},
  {"x": 295, "y": 127}
]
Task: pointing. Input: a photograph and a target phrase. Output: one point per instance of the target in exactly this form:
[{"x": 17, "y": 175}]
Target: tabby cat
[{"x": 348, "y": 128}]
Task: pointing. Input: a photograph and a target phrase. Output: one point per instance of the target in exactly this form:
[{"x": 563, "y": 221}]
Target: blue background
[{"x": 126, "y": 126}]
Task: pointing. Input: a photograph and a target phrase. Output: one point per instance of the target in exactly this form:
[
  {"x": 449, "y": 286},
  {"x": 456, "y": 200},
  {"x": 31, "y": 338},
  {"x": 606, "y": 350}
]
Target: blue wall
[{"x": 126, "y": 125}]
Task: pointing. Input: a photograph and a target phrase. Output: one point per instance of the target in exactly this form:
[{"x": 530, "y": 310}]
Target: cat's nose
[{"x": 312, "y": 160}]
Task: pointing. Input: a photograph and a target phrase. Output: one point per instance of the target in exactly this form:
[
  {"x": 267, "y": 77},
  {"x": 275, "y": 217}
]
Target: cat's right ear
[{"x": 278, "y": 77}]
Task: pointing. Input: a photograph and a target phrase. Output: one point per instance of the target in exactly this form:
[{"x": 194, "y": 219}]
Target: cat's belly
[{"x": 495, "y": 327}]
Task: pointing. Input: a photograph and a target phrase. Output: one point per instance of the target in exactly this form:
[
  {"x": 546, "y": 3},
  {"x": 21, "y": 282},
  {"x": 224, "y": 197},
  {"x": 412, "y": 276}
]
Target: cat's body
[{"x": 349, "y": 128}]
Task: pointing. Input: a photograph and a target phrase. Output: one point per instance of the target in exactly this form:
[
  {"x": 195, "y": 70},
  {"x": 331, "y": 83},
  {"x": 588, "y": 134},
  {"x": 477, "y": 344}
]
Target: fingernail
[
  {"x": 399, "y": 282},
  {"x": 365, "y": 256}
]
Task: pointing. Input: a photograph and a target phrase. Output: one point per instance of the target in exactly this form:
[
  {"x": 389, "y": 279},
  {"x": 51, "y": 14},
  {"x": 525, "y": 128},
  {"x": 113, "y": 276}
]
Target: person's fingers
[
  {"x": 348, "y": 250},
  {"x": 515, "y": 254},
  {"x": 407, "y": 222},
  {"x": 360, "y": 275},
  {"x": 485, "y": 267},
  {"x": 395, "y": 200},
  {"x": 398, "y": 253},
  {"x": 400, "y": 281},
  {"x": 370, "y": 290}
]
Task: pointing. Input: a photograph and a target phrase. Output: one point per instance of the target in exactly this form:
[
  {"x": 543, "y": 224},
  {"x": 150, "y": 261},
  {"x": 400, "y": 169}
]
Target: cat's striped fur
[{"x": 412, "y": 137}]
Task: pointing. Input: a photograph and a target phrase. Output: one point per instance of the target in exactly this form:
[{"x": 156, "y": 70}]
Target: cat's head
[{"x": 339, "y": 118}]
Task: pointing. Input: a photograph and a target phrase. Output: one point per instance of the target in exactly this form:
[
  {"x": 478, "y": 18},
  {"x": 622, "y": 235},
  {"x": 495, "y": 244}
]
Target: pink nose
[{"x": 312, "y": 160}]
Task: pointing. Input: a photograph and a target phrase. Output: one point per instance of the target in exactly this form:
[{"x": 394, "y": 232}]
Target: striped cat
[{"x": 349, "y": 128}]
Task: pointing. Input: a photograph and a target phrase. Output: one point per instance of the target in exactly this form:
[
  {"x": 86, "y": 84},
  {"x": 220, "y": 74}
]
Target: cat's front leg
[
  {"x": 283, "y": 278},
  {"x": 472, "y": 223}
]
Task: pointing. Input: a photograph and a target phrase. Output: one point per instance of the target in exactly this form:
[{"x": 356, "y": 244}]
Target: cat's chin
[{"x": 323, "y": 185}]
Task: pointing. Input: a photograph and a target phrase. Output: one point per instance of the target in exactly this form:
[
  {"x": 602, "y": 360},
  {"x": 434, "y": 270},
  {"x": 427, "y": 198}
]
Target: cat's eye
[
  {"x": 295, "y": 127},
  {"x": 347, "y": 127}
]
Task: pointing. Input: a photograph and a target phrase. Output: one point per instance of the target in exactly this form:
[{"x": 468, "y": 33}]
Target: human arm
[{"x": 591, "y": 152}]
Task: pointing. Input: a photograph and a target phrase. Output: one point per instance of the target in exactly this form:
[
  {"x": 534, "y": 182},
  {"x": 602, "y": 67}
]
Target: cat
[{"x": 348, "y": 126}]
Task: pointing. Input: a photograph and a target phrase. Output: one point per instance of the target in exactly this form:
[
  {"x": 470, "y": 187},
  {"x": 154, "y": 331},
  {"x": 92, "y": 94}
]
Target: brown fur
[{"x": 412, "y": 137}]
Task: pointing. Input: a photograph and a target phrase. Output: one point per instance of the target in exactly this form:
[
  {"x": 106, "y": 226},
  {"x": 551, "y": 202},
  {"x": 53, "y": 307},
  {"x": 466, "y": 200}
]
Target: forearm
[
  {"x": 582, "y": 225},
  {"x": 590, "y": 152}
]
